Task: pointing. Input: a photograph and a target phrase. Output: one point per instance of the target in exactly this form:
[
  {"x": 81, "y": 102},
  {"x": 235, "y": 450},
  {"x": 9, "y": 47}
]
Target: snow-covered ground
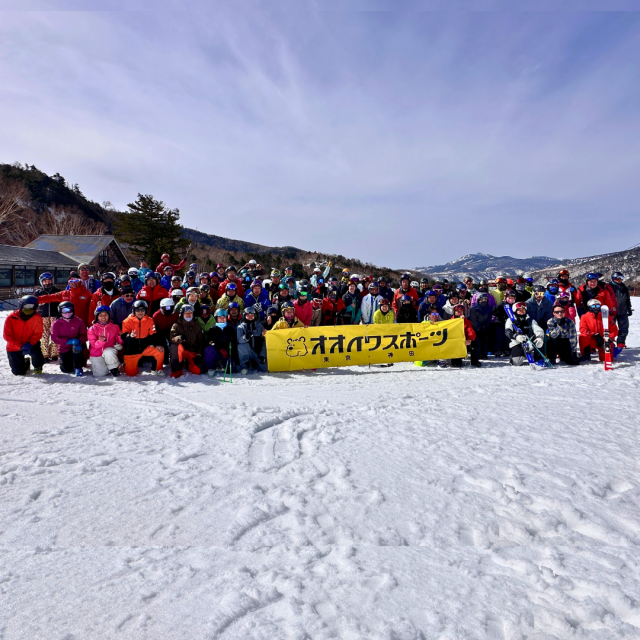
[{"x": 399, "y": 504}]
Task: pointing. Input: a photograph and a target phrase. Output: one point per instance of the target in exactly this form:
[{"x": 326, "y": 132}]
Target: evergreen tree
[{"x": 151, "y": 229}]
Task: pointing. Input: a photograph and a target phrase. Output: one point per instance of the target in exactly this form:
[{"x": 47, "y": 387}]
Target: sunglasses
[
  {"x": 558, "y": 313},
  {"x": 127, "y": 295}
]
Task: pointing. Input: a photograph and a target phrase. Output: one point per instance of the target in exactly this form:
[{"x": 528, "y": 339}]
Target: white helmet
[
  {"x": 415, "y": 284},
  {"x": 167, "y": 303},
  {"x": 133, "y": 272}
]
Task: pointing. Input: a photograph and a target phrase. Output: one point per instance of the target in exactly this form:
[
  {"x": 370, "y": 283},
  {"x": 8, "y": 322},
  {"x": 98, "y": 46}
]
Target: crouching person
[
  {"x": 104, "y": 344},
  {"x": 459, "y": 311},
  {"x": 252, "y": 347},
  {"x": 217, "y": 354},
  {"x": 563, "y": 337},
  {"x": 22, "y": 332},
  {"x": 187, "y": 343},
  {"x": 70, "y": 334},
  {"x": 592, "y": 331},
  {"x": 141, "y": 340},
  {"x": 518, "y": 332},
  {"x": 289, "y": 319}
]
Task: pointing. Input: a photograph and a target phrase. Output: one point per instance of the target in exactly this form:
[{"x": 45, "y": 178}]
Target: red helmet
[
  {"x": 165, "y": 255},
  {"x": 501, "y": 280},
  {"x": 520, "y": 305}
]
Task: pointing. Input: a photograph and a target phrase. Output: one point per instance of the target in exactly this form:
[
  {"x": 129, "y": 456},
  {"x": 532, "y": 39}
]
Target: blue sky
[{"x": 402, "y": 138}]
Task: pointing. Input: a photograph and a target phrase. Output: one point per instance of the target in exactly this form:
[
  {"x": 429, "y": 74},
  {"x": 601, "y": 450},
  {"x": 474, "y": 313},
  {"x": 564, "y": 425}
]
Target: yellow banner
[{"x": 318, "y": 347}]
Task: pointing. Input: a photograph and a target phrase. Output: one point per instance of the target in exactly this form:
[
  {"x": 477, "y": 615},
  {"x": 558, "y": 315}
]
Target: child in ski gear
[
  {"x": 480, "y": 316},
  {"x": 459, "y": 311},
  {"x": 563, "y": 338},
  {"x": 517, "y": 333},
  {"x": 231, "y": 294},
  {"x": 289, "y": 319},
  {"x": 257, "y": 296},
  {"x": 164, "y": 319},
  {"x": 104, "y": 343},
  {"x": 70, "y": 334},
  {"x": 140, "y": 339},
  {"x": 592, "y": 331},
  {"x": 252, "y": 348},
  {"x": 22, "y": 333},
  {"x": 48, "y": 311}
]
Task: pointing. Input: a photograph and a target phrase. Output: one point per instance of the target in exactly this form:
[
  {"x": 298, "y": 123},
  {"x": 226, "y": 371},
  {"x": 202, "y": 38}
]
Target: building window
[
  {"x": 103, "y": 261},
  {"x": 62, "y": 276},
  {"x": 5, "y": 277},
  {"x": 25, "y": 277}
]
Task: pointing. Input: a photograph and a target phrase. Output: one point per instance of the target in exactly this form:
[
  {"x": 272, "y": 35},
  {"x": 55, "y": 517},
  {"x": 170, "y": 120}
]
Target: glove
[
  {"x": 521, "y": 338},
  {"x": 599, "y": 339},
  {"x": 539, "y": 342},
  {"x": 561, "y": 322},
  {"x": 117, "y": 346},
  {"x": 73, "y": 342},
  {"x": 26, "y": 348}
]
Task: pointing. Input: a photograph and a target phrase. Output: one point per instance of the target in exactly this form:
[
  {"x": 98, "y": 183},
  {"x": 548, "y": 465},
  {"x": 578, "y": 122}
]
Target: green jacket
[{"x": 206, "y": 325}]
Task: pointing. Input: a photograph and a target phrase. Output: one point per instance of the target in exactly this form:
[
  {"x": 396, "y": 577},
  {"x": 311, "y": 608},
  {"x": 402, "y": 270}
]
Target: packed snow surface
[{"x": 399, "y": 504}]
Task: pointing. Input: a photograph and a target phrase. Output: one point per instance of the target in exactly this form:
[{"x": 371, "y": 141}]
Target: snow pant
[
  {"x": 481, "y": 344},
  {"x": 180, "y": 356},
  {"x": 101, "y": 365},
  {"x": 49, "y": 348},
  {"x": 216, "y": 359},
  {"x": 457, "y": 362},
  {"x": 70, "y": 361},
  {"x": 250, "y": 359},
  {"x": 623, "y": 328},
  {"x": 561, "y": 347},
  {"x": 496, "y": 339},
  {"x": 517, "y": 356},
  {"x": 132, "y": 363},
  {"x": 18, "y": 363},
  {"x": 589, "y": 343}
]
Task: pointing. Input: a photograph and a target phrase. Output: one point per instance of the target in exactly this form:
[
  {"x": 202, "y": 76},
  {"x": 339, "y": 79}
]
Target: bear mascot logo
[{"x": 296, "y": 347}]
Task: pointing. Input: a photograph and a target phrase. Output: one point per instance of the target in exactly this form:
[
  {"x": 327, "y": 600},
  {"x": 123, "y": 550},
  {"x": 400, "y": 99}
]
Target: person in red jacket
[
  {"x": 592, "y": 331},
  {"x": 303, "y": 308},
  {"x": 404, "y": 290},
  {"x": 594, "y": 290},
  {"x": 469, "y": 334},
  {"x": 152, "y": 293},
  {"x": 164, "y": 319},
  {"x": 165, "y": 262},
  {"x": 333, "y": 309},
  {"x": 231, "y": 277},
  {"x": 105, "y": 295},
  {"x": 77, "y": 294},
  {"x": 22, "y": 332}
]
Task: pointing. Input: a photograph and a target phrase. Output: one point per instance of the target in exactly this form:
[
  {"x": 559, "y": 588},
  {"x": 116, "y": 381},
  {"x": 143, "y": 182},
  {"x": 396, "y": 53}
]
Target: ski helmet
[
  {"x": 527, "y": 278},
  {"x": 150, "y": 276},
  {"x": 167, "y": 303},
  {"x": 594, "y": 305},
  {"x": 205, "y": 288},
  {"x": 65, "y": 306},
  {"x": 220, "y": 312},
  {"x": 191, "y": 275},
  {"x": 617, "y": 274},
  {"x": 404, "y": 299},
  {"x": 186, "y": 307},
  {"x": 204, "y": 310},
  {"x": 563, "y": 272},
  {"x": 249, "y": 310},
  {"x": 405, "y": 276},
  {"x": 430, "y": 293},
  {"x": 501, "y": 280},
  {"x": 373, "y": 285},
  {"x": 461, "y": 287},
  {"x": 384, "y": 302},
  {"x": 103, "y": 308},
  {"x": 539, "y": 289},
  {"x": 45, "y": 276},
  {"x": 177, "y": 293},
  {"x": 458, "y": 307},
  {"x": 234, "y": 305},
  {"x": 437, "y": 287},
  {"x": 591, "y": 276},
  {"x": 168, "y": 268},
  {"x": 275, "y": 273},
  {"x": 133, "y": 272},
  {"x": 520, "y": 305},
  {"x": 484, "y": 283},
  {"x": 30, "y": 303},
  {"x": 552, "y": 286},
  {"x": 164, "y": 255},
  {"x": 415, "y": 284},
  {"x": 424, "y": 281},
  {"x": 510, "y": 294},
  {"x": 273, "y": 311},
  {"x": 140, "y": 304}
]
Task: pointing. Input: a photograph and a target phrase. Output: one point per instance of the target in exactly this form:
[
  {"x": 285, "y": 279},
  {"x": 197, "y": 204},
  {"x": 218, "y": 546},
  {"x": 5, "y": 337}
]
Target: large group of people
[{"x": 208, "y": 323}]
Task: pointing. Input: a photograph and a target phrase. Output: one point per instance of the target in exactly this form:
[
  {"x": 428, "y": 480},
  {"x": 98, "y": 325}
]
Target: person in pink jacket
[
  {"x": 304, "y": 310},
  {"x": 104, "y": 344}
]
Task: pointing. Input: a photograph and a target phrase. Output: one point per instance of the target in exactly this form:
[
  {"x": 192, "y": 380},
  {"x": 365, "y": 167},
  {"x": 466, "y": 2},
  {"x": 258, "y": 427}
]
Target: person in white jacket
[{"x": 370, "y": 304}]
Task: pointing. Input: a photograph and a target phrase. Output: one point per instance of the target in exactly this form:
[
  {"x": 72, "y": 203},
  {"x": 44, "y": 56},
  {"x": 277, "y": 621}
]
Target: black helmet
[
  {"x": 287, "y": 305},
  {"x": 29, "y": 302},
  {"x": 273, "y": 311},
  {"x": 108, "y": 275},
  {"x": 66, "y": 305},
  {"x": 140, "y": 304}
]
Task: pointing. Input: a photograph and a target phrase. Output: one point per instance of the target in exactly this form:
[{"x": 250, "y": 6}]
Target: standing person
[
  {"x": 22, "y": 333},
  {"x": 370, "y": 303},
  {"x": 565, "y": 285},
  {"x": 76, "y": 294},
  {"x": 333, "y": 309},
  {"x": 406, "y": 310},
  {"x": 385, "y": 314},
  {"x": 517, "y": 333},
  {"x": 623, "y": 303},
  {"x": 187, "y": 343},
  {"x": 122, "y": 307},
  {"x": 483, "y": 287},
  {"x": 152, "y": 293},
  {"x": 141, "y": 340},
  {"x": 480, "y": 316},
  {"x": 498, "y": 292},
  {"x": 404, "y": 290},
  {"x": 176, "y": 283},
  {"x": 288, "y": 320},
  {"x": 105, "y": 295},
  {"x": 273, "y": 286},
  {"x": 136, "y": 279},
  {"x": 164, "y": 319},
  {"x": 318, "y": 273},
  {"x": 316, "y": 308},
  {"x": 190, "y": 280},
  {"x": 231, "y": 278},
  {"x": 592, "y": 289},
  {"x": 539, "y": 307},
  {"x": 104, "y": 343},
  {"x": 252, "y": 347},
  {"x": 459, "y": 311},
  {"x": 563, "y": 338},
  {"x": 231, "y": 294},
  {"x": 89, "y": 282},
  {"x": 257, "y": 296},
  {"x": 69, "y": 332},
  {"x": 497, "y": 343},
  {"x": 192, "y": 297},
  {"x": 165, "y": 261},
  {"x": 592, "y": 331},
  {"x": 143, "y": 270},
  {"x": 447, "y": 312},
  {"x": 167, "y": 277},
  {"x": 552, "y": 289},
  {"x": 522, "y": 295},
  {"x": 303, "y": 308},
  {"x": 384, "y": 290},
  {"x": 352, "y": 302},
  {"x": 48, "y": 311},
  {"x": 205, "y": 319}
]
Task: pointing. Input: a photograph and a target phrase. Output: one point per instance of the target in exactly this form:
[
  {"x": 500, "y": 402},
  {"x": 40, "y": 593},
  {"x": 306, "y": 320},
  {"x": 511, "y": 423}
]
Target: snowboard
[{"x": 608, "y": 355}]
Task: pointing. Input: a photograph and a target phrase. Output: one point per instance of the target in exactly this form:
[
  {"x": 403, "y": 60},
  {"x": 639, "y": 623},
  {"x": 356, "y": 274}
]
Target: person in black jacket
[
  {"x": 480, "y": 316},
  {"x": 49, "y": 312},
  {"x": 221, "y": 338},
  {"x": 406, "y": 310},
  {"x": 500, "y": 345},
  {"x": 624, "y": 307}
]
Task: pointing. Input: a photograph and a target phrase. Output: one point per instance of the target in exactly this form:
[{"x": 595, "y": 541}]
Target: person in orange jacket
[
  {"x": 592, "y": 331},
  {"x": 76, "y": 293},
  {"x": 22, "y": 332},
  {"x": 152, "y": 293},
  {"x": 404, "y": 290},
  {"x": 165, "y": 262},
  {"x": 141, "y": 340},
  {"x": 105, "y": 295}
]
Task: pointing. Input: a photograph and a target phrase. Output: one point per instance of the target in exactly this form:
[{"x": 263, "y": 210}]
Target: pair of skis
[
  {"x": 528, "y": 346},
  {"x": 608, "y": 354}
]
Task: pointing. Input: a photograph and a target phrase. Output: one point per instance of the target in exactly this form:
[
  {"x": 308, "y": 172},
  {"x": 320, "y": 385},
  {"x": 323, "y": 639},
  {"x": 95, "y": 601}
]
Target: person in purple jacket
[
  {"x": 70, "y": 334},
  {"x": 483, "y": 287}
]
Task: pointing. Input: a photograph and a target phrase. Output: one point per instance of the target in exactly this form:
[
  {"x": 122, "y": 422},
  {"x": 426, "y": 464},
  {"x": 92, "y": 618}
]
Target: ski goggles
[
  {"x": 29, "y": 306},
  {"x": 67, "y": 312},
  {"x": 72, "y": 280}
]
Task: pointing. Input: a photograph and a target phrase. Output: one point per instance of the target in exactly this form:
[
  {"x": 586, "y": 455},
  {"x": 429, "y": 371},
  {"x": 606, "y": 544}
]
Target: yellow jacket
[{"x": 283, "y": 324}]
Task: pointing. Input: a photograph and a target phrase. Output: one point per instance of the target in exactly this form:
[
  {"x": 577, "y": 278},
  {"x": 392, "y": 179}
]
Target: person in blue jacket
[
  {"x": 257, "y": 296},
  {"x": 137, "y": 279},
  {"x": 144, "y": 269},
  {"x": 553, "y": 288},
  {"x": 122, "y": 307},
  {"x": 540, "y": 307},
  {"x": 430, "y": 298}
]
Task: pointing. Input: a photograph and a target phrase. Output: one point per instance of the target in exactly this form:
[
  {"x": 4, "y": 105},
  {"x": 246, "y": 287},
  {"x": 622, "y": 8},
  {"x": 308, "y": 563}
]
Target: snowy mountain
[
  {"x": 627, "y": 261},
  {"x": 484, "y": 265}
]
